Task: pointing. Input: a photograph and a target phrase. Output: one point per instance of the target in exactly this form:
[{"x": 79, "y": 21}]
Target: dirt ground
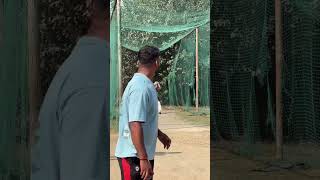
[
  {"x": 188, "y": 157},
  {"x": 228, "y": 166},
  {"x": 301, "y": 162}
]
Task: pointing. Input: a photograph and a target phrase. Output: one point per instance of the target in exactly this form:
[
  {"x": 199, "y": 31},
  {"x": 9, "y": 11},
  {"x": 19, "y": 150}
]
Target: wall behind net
[
  {"x": 158, "y": 23},
  {"x": 14, "y": 154}
]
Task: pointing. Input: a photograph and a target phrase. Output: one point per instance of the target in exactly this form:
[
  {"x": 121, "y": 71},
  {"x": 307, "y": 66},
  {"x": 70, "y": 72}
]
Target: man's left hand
[{"x": 164, "y": 139}]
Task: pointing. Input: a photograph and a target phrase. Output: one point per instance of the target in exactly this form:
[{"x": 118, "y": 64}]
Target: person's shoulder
[
  {"x": 90, "y": 54},
  {"x": 140, "y": 82},
  {"x": 138, "y": 88},
  {"x": 135, "y": 88},
  {"x": 85, "y": 70}
]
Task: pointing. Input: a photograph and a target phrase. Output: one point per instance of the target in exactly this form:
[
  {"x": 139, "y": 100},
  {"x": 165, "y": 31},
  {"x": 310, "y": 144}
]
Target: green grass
[
  {"x": 195, "y": 118},
  {"x": 191, "y": 115}
]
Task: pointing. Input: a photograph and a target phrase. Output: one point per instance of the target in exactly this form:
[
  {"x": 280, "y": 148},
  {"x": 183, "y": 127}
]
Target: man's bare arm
[
  {"x": 165, "y": 140},
  {"x": 137, "y": 139}
]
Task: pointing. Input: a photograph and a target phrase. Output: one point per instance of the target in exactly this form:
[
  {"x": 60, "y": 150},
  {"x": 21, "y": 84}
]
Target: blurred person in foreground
[{"x": 73, "y": 143}]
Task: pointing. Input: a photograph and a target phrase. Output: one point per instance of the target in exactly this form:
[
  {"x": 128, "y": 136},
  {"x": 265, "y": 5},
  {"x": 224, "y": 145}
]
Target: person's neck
[
  {"x": 99, "y": 34},
  {"x": 146, "y": 72}
]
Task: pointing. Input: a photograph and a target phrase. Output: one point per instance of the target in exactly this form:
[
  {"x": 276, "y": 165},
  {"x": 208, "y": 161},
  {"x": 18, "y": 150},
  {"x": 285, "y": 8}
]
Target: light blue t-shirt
[
  {"x": 73, "y": 118},
  {"x": 139, "y": 103}
]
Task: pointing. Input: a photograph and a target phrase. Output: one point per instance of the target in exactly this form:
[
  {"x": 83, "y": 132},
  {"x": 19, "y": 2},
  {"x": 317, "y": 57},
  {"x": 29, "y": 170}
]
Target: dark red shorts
[{"x": 130, "y": 168}]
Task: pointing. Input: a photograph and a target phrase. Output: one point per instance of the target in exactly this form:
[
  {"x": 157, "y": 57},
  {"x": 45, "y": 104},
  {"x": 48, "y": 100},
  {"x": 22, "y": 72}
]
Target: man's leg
[
  {"x": 152, "y": 164},
  {"x": 130, "y": 168},
  {"x": 121, "y": 168}
]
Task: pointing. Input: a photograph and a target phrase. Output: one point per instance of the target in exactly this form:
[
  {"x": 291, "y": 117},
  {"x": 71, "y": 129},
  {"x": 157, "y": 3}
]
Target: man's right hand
[{"x": 146, "y": 171}]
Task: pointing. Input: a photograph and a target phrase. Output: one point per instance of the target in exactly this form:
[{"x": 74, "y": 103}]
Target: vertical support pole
[
  {"x": 197, "y": 69},
  {"x": 1, "y": 21},
  {"x": 33, "y": 66},
  {"x": 119, "y": 49},
  {"x": 279, "y": 59},
  {"x": 33, "y": 74}
]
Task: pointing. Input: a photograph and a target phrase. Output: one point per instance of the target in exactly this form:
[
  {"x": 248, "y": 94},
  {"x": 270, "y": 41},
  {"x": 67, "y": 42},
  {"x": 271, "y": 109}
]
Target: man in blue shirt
[
  {"x": 138, "y": 124},
  {"x": 73, "y": 134}
]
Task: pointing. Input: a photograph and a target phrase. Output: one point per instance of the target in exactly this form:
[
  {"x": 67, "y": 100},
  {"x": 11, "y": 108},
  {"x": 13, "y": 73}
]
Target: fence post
[
  {"x": 279, "y": 60},
  {"x": 197, "y": 69},
  {"x": 119, "y": 49}
]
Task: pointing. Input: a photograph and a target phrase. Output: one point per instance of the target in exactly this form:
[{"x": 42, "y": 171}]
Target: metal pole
[
  {"x": 279, "y": 59},
  {"x": 119, "y": 49},
  {"x": 197, "y": 69}
]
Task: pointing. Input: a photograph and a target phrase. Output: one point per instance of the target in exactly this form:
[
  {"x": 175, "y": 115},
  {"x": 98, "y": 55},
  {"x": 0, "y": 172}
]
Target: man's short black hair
[{"x": 148, "y": 55}]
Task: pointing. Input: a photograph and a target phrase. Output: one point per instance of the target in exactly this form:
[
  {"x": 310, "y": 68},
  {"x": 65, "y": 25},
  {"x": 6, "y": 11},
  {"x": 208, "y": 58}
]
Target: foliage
[{"x": 61, "y": 23}]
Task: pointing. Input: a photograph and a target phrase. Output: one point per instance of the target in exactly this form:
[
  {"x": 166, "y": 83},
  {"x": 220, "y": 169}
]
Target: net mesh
[
  {"x": 241, "y": 62},
  {"x": 13, "y": 92},
  {"x": 165, "y": 24},
  {"x": 114, "y": 77},
  {"x": 301, "y": 68},
  {"x": 243, "y": 79}
]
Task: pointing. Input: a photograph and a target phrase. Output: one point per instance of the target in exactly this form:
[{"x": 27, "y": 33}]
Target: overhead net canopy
[
  {"x": 164, "y": 24},
  {"x": 14, "y": 154}
]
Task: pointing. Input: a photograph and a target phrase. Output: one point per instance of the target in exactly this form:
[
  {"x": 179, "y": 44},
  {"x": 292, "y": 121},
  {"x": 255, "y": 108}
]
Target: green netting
[
  {"x": 136, "y": 39},
  {"x": 13, "y": 92},
  {"x": 181, "y": 79},
  {"x": 164, "y": 24},
  {"x": 164, "y": 16},
  {"x": 160, "y": 23},
  {"x": 301, "y": 88},
  {"x": 204, "y": 65},
  {"x": 243, "y": 79},
  {"x": 114, "y": 78},
  {"x": 240, "y": 63}
]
